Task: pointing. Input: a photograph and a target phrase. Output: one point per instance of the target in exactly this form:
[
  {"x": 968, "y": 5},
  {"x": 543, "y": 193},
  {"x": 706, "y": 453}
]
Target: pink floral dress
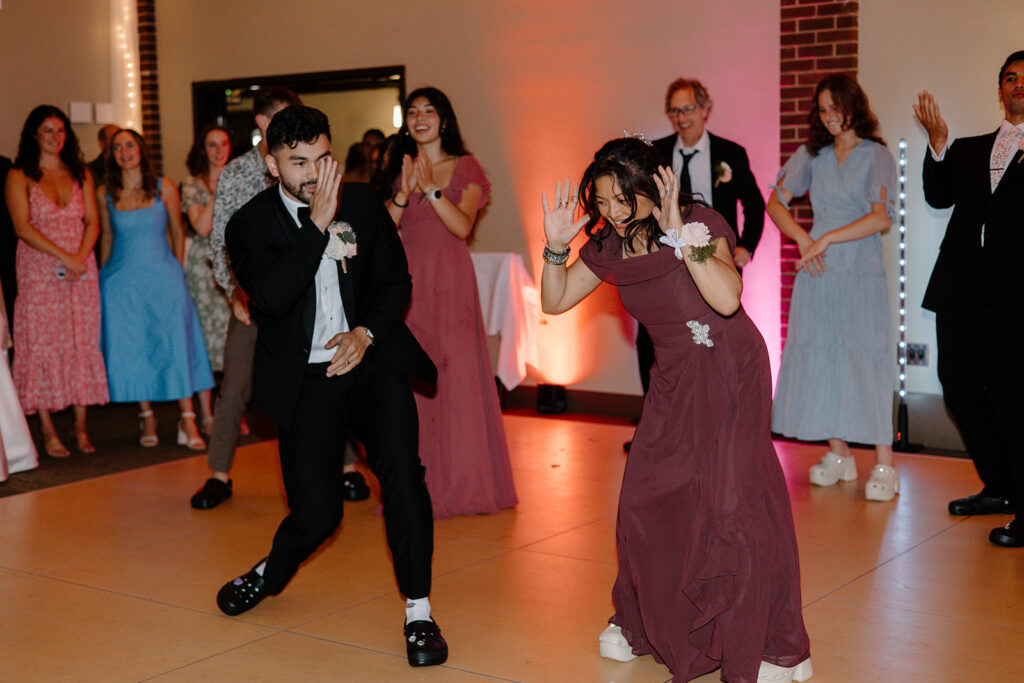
[{"x": 57, "y": 357}]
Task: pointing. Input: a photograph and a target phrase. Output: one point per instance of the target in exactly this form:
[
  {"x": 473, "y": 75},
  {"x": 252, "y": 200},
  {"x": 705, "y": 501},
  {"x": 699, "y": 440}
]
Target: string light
[
  {"x": 902, "y": 440},
  {"x": 125, "y": 83}
]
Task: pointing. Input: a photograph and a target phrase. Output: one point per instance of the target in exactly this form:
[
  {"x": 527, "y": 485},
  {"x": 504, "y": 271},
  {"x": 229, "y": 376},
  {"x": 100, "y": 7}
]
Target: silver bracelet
[{"x": 556, "y": 258}]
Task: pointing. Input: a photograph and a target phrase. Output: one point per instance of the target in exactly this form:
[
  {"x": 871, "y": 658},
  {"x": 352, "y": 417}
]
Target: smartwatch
[{"x": 434, "y": 195}]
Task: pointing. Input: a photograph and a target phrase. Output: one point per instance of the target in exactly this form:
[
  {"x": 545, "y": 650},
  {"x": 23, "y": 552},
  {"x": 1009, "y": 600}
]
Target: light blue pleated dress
[
  {"x": 838, "y": 368},
  {"x": 152, "y": 342}
]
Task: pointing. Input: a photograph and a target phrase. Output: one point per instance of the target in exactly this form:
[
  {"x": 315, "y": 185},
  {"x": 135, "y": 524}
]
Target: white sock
[
  {"x": 417, "y": 610},
  {"x": 260, "y": 567}
]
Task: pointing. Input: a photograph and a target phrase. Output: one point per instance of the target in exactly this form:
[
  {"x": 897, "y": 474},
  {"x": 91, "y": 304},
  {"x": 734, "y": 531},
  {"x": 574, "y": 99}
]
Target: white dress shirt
[
  {"x": 699, "y": 166},
  {"x": 330, "y": 312}
]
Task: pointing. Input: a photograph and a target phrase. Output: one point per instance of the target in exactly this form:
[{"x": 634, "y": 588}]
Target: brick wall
[
  {"x": 817, "y": 37},
  {"x": 149, "y": 85}
]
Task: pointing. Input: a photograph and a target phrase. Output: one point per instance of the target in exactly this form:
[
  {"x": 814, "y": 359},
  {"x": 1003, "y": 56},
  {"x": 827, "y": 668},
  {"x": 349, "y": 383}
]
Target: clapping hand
[
  {"x": 409, "y": 177},
  {"x": 559, "y": 227},
  {"x": 669, "y": 216},
  {"x": 424, "y": 172},
  {"x": 927, "y": 112},
  {"x": 323, "y": 206}
]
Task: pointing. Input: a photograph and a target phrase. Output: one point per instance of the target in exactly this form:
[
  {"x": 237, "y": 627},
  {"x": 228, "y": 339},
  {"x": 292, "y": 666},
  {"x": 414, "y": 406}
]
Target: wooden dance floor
[{"x": 113, "y": 579}]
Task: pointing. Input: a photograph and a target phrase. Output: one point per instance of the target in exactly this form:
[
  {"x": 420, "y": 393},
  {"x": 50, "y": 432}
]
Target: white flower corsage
[
  {"x": 694, "y": 235},
  {"x": 723, "y": 173},
  {"x": 341, "y": 244}
]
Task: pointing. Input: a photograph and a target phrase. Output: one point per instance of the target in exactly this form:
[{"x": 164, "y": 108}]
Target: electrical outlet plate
[{"x": 917, "y": 354}]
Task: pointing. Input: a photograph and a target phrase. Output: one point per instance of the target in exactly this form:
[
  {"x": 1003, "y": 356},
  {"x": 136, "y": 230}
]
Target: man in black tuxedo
[
  {"x": 715, "y": 168},
  {"x": 977, "y": 295},
  {"x": 329, "y": 287}
]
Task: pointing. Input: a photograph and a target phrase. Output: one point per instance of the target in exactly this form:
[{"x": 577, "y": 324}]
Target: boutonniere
[
  {"x": 694, "y": 235},
  {"x": 341, "y": 243},
  {"x": 723, "y": 173}
]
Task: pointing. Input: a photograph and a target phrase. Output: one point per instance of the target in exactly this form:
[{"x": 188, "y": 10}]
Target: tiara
[{"x": 639, "y": 136}]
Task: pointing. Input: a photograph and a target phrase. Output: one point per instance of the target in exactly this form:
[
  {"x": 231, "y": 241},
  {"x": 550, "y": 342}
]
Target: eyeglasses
[{"x": 687, "y": 110}]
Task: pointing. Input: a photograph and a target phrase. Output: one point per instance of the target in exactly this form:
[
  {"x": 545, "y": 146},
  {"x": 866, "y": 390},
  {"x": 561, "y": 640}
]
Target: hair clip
[{"x": 638, "y": 136}]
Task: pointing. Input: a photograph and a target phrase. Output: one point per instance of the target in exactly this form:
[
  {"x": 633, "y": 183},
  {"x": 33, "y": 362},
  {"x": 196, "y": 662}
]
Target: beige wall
[
  {"x": 52, "y": 52},
  {"x": 538, "y": 86},
  {"x": 954, "y": 50}
]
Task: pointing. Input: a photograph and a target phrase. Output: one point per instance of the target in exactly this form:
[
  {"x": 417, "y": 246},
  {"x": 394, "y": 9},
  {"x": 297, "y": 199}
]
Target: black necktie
[{"x": 684, "y": 173}]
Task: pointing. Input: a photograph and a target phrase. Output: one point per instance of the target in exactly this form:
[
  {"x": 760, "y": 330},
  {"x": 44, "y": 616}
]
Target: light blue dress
[
  {"x": 838, "y": 367},
  {"x": 152, "y": 342}
]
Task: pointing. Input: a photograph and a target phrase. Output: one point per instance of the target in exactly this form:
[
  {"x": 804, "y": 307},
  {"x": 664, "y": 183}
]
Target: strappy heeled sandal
[
  {"x": 147, "y": 440},
  {"x": 195, "y": 443}
]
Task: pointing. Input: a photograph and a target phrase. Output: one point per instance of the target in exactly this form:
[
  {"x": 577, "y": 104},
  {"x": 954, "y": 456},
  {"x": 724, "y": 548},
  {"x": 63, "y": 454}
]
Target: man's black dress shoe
[
  {"x": 980, "y": 504},
  {"x": 354, "y": 486},
  {"x": 243, "y": 593},
  {"x": 1009, "y": 536},
  {"x": 213, "y": 493},
  {"x": 424, "y": 643}
]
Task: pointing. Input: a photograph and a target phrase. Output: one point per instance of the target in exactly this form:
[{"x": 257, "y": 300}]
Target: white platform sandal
[
  {"x": 614, "y": 645},
  {"x": 832, "y": 469}
]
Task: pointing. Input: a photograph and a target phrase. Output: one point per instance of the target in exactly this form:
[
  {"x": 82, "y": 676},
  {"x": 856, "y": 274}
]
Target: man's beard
[{"x": 303, "y": 192}]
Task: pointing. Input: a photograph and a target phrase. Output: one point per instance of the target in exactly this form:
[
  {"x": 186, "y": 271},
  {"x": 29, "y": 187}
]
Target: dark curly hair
[
  {"x": 197, "y": 161},
  {"x": 115, "y": 179},
  {"x": 852, "y": 102},
  {"x": 28, "y": 147},
  {"x": 632, "y": 163},
  {"x": 451, "y": 138},
  {"x": 296, "y": 124}
]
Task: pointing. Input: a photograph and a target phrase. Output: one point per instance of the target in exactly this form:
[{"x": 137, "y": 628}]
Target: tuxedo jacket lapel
[
  {"x": 348, "y": 296},
  {"x": 287, "y": 224}
]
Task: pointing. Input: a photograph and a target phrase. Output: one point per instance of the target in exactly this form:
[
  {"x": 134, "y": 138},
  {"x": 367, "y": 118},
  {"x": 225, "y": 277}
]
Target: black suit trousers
[
  {"x": 983, "y": 387},
  {"x": 379, "y": 407}
]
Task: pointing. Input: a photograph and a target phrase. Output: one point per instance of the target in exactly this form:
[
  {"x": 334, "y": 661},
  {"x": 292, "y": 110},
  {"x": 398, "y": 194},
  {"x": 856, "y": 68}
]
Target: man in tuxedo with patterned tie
[{"x": 977, "y": 295}]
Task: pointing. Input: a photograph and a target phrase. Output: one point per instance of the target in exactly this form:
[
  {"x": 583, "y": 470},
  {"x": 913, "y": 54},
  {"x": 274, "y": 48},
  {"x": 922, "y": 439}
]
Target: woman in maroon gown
[
  {"x": 438, "y": 190},
  {"x": 708, "y": 569}
]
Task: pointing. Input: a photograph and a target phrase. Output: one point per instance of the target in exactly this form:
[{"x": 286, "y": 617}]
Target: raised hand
[
  {"x": 927, "y": 112},
  {"x": 669, "y": 216},
  {"x": 408, "y": 185},
  {"x": 323, "y": 206},
  {"x": 425, "y": 173},
  {"x": 559, "y": 227}
]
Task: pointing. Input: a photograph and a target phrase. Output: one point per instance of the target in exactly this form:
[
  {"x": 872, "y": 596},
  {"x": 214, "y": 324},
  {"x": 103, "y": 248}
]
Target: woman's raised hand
[
  {"x": 669, "y": 216},
  {"x": 559, "y": 227},
  {"x": 424, "y": 172},
  {"x": 409, "y": 182}
]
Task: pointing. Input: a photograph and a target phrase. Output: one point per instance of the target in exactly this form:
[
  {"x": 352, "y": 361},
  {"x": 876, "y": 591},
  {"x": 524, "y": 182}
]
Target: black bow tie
[{"x": 303, "y": 213}]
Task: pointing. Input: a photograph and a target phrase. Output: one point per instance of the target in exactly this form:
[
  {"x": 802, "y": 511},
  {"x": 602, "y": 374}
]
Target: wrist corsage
[
  {"x": 341, "y": 243},
  {"x": 723, "y": 173},
  {"x": 694, "y": 235}
]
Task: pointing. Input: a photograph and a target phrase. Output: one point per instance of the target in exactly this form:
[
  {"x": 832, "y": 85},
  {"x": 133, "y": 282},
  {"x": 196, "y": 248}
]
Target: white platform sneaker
[
  {"x": 780, "y": 674},
  {"x": 832, "y": 469},
  {"x": 614, "y": 645},
  {"x": 883, "y": 485}
]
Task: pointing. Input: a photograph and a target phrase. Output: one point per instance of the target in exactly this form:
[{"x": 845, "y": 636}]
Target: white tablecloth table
[{"x": 511, "y": 306}]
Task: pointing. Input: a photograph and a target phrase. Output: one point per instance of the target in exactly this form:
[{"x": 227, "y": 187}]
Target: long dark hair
[
  {"x": 28, "y": 147},
  {"x": 197, "y": 161},
  {"x": 115, "y": 180},
  {"x": 451, "y": 138},
  {"x": 848, "y": 98},
  {"x": 632, "y": 163}
]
